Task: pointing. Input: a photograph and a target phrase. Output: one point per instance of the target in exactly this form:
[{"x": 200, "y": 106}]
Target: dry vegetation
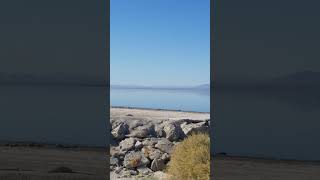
[{"x": 191, "y": 159}]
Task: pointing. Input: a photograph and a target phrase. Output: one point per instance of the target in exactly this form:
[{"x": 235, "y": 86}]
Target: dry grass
[{"x": 191, "y": 159}]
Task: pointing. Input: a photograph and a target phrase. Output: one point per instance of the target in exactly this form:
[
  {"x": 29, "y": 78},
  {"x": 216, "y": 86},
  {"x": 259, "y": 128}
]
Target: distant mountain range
[
  {"x": 199, "y": 87},
  {"x": 297, "y": 79}
]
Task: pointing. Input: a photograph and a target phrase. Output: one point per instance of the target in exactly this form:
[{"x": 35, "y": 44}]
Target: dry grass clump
[{"x": 191, "y": 159}]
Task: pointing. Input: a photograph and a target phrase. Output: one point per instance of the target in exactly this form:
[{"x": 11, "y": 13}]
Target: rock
[
  {"x": 144, "y": 170},
  {"x": 191, "y": 128},
  {"x": 159, "y": 131},
  {"x": 142, "y": 131},
  {"x": 150, "y": 142},
  {"x": 135, "y": 123},
  {"x": 116, "y": 151},
  {"x": 127, "y": 144},
  {"x": 157, "y": 164},
  {"x": 138, "y": 145},
  {"x": 165, "y": 157},
  {"x": 118, "y": 169},
  {"x": 114, "y": 161},
  {"x": 155, "y": 154},
  {"x": 173, "y": 131},
  {"x": 135, "y": 159},
  {"x": 165, "y": 146},
  {"x": 151, "y": 153},
  {"x": 120, "y": 131},
  {"x": 125, "y": 173}
]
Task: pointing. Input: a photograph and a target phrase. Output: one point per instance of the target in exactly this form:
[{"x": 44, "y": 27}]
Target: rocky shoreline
[{"x": 143, "y": 139}]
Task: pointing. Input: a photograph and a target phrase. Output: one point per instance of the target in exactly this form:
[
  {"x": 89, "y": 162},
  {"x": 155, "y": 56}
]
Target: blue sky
[{"x": 160, "y": 42}]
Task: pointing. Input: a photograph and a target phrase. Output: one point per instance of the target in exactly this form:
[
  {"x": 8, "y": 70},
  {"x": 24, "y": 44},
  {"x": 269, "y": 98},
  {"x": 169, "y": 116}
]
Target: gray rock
[
  {"x": 156, "y": 153},
  {"x": 120, "y": 131},
  {"x": 138, "y": 145},
  {"x": 157, "y": 164},
  {"x": 114, "y": 161},
  {"x": 135, "y": 123},
  {"x": 118, "y": 169},
  {"x": 116, "y": 151},
  {"x": 159, "y": 131},
  {"x": 150, "y": 142},
  {"x": 151, "y": 153},
  {"x": 191, "y": 128},
  {"x": 135, "y": 159},
  {"x": 142, "y": 131},
  {"x": 173, "y": 131},
  {"x": 165, "y": 157},
  {"x": 127, "y": 144},
  {"x": 144, "y": 170},
  {"x": 165, "y": 146},
  {"x": 126, "y": 173}
]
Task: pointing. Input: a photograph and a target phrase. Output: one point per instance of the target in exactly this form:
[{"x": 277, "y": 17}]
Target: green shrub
[{"x": 190, "y": 159}]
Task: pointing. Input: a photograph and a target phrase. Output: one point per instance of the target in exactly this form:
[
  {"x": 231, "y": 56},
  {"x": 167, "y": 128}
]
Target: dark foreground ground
[
  {"x": 30, "y": 163},
  {"x": 239, "y": 168},
  {"x": 45, "y": 163}
]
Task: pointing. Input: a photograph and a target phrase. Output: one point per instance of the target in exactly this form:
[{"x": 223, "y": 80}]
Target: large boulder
[
  {"x": 191, "y": 128},
  {"x": 135, "y": 159},
  {"x": 127, "y": 144},
  {"x": 165, "y": 146},
  {"x": 159, "y": 132},
  {"x": 157, "y": 164},
  {"x": 142, "y": 131},
  {"x": 120, "y": 131},
  {"x": 173, "y": 131},
  {"x": 151, "y": 153}
]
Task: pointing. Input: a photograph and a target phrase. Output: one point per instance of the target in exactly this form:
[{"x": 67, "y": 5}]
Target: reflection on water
[
  {"x": 270, "y": 124},
  {"x": 186, "y": 100},
  {"x": 71, "y": 115}
]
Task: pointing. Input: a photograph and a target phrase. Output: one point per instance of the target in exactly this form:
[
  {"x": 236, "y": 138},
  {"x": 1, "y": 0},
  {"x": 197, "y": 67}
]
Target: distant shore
[{"x": 155, "y": 109}]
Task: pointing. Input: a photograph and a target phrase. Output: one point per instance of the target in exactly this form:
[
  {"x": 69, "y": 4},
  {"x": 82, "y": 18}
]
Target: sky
[
  {"x": 159, "y": 42},
  {"x": 259, "y": 40}
]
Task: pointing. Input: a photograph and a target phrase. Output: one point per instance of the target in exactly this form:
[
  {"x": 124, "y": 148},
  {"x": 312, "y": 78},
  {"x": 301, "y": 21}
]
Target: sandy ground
[
  {"x": 35, "y": 163},
  {"x": 237, "y": 168},
  {"x": 155, "y": 115}
]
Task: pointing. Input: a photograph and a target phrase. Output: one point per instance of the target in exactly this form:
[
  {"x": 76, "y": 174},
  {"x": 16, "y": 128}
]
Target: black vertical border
[{"x": 107, "y": 100}]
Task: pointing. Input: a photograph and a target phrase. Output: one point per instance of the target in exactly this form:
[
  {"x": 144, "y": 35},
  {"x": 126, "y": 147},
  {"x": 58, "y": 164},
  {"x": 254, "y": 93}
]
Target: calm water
[
  {"x": 277, "y": 125},
  {"x": 162, "y": 99},
  {"x": 72, "y": 115}
]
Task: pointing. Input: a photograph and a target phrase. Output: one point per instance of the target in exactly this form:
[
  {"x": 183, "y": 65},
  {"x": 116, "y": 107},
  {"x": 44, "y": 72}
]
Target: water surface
[{"x": 185, "y": 100}]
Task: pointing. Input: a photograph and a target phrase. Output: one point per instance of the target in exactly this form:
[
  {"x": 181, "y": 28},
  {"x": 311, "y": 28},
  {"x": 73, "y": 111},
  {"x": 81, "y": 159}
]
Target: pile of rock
[{"x": 142, "y": 147}]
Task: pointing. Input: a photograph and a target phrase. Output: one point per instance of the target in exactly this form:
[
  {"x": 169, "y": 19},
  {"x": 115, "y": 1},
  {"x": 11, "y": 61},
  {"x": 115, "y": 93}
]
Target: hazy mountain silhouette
[{"x": 198, "y": 87}]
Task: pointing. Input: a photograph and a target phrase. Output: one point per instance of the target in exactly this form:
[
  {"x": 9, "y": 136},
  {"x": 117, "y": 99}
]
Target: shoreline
[{"x": 155, "y": 109}]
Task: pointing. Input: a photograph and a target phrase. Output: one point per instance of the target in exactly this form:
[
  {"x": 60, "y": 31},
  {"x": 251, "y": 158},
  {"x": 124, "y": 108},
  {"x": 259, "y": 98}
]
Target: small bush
[{"x": 191, "y": 159}]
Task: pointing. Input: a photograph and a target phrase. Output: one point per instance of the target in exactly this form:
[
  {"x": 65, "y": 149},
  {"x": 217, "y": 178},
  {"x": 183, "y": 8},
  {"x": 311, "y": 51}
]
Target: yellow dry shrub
[{"x": 190, "y": 159}]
